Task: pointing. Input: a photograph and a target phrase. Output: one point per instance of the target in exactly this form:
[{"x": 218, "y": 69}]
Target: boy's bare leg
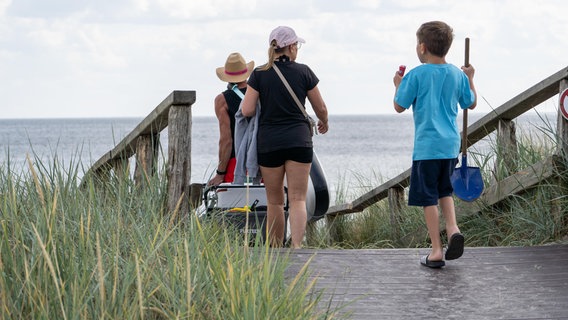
[
  {"x": 433, "y": 225},
  {"x": 449, "y": 212}
]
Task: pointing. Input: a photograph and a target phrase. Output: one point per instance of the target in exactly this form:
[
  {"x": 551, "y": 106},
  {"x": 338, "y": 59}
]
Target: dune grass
[{"x": 105, "y": 250}]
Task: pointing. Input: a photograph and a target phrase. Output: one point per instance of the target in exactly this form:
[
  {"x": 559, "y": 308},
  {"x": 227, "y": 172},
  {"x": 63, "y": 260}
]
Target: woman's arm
[
  {"x": 248, "y": 107},
  {"x": 316, "y": 100}
]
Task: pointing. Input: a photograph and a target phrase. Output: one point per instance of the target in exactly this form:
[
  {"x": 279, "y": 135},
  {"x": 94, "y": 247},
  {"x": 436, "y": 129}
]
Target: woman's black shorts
[{"x": 277, "y": 158}]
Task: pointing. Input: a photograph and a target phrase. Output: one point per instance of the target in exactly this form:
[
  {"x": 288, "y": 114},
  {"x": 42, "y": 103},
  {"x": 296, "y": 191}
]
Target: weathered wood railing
[
  {"x": 175, "y": 114},
  {"x": 499, "y": 120}
]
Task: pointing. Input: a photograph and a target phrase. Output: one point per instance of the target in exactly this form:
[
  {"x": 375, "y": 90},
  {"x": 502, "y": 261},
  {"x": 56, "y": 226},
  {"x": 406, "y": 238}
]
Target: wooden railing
[
  {"x": 499, "y": 120},
  {"x": 175, "y": 114}
]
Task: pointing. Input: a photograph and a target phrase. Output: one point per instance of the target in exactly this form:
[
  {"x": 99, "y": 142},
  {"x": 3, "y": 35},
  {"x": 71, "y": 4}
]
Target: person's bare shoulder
[{"x": 220, "y": 103}]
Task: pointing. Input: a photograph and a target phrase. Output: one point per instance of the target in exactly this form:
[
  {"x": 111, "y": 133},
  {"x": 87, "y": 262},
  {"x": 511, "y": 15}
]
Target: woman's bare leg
[
  {"x": 275, "y": 219},
  {"x": 297, "y": 180}
]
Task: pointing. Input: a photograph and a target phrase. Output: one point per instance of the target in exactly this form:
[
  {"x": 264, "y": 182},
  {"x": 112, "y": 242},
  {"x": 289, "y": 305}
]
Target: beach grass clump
[
  {"x": 105, "y": 249},
  {"x": 535, "y": 217}
]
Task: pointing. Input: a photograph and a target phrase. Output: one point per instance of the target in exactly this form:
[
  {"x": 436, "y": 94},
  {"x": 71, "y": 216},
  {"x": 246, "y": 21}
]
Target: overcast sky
[{"x": 121, "y": 58}]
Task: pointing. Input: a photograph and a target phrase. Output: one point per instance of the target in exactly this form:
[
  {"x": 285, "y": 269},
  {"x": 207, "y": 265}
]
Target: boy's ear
[{"x": 422, "y": 48}]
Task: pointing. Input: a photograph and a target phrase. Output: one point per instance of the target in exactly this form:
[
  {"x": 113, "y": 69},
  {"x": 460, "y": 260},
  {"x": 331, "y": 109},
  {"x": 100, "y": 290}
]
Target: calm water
[{"x": 357, "y": 151}]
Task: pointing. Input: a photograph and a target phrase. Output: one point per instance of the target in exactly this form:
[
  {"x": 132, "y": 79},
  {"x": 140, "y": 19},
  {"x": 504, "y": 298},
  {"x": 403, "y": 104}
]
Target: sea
[{"x": 358, "y": 152}]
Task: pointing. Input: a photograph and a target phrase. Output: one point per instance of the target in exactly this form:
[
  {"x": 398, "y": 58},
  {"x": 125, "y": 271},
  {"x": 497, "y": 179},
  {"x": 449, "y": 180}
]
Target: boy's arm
[
  {"x": 396, "y": 80},
  {"x": 470, "y": 71},
  {"x": 398, "y": 108}
]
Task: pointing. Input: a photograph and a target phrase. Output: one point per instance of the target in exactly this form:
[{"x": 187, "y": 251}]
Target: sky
[{"x": 121, "y": 58}]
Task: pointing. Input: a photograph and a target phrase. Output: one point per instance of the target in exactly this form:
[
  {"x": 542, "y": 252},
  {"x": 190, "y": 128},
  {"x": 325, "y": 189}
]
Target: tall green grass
[
  {"x": 109, "y": 250},
  {"x": 538, "y": 216},
  {"x": 105, "y": 250}
]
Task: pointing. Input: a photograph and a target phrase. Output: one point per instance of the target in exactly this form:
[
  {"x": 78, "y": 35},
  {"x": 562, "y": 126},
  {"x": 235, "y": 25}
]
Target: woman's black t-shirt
[{"x": 281, "y": 124}]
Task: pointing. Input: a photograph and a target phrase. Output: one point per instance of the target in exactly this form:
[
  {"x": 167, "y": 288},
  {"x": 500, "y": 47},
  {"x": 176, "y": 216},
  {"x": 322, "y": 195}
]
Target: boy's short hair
[{"x": 437, "y": 36}]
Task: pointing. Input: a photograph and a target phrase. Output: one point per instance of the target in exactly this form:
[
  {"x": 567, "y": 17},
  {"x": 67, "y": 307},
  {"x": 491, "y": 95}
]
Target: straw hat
[{"x": 235, "y": 69}]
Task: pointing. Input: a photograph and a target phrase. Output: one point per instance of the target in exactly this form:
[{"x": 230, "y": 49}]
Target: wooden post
[
  {"x": 562, "y": 151},
  {"x": 196, "y": 195},
  {"x": 396, "y": 201},
  {"x": 311, "y": 231},
  {"x": 102, "y": 174},
  {"x": 146, "y": 155},
  {"x": 179, "y": 158},
  {"x": 507, "y": 151},
  {"x": 331, "y": 228},
  {"x": 121, "y": 167},
  {"x": 562, "y": 127}
]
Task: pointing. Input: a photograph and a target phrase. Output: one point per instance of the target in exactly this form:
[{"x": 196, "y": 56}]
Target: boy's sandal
[
  {"x": 455, "y": 246},
  {"x": 431, "y": 264}
]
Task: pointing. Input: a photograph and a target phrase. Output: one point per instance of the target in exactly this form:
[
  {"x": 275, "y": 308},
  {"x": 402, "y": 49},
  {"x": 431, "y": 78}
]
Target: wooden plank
[
  {"x": 562, "y": 126},
  {"x": 396, "y": 203},
  {"x": 195, "y": 195},
  {"x": 507, "y": 151},
  {"x": 513, "y": 108},
  {"x": 146, "y": 158},
  {"x": 515, "y": 184},
  {"x": 485, "y": 283},
  {"x": 373, "y": 196},
  {"x": 179, "y": 159},
  {"x": 332, "y": 229},
  {"x": 154, "y": 123}
]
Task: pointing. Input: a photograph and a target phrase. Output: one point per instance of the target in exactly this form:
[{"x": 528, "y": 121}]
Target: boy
[{"x": 434, "y": 90}]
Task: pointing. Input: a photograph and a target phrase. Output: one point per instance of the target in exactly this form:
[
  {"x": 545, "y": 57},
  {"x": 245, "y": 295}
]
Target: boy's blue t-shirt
[{"x": 434, "y": 91}]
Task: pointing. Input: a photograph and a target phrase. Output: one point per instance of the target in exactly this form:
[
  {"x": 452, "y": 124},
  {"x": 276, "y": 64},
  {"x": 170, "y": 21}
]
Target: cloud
[
  {"x": 45, "y": 9},
  {"x": 78, "y": 58}
]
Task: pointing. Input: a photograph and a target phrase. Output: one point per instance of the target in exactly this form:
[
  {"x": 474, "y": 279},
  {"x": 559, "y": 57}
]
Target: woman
[{"x": 284, "y": 140}]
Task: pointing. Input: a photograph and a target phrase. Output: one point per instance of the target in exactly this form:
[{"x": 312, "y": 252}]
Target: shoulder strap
[
  {"x": 235, "y": 88},
  {"x": 287, "y": 85}
]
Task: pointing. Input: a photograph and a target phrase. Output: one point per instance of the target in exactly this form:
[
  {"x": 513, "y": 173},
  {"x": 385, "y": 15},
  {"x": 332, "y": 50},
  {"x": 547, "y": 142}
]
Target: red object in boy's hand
[{"x": 401, "y": 70}]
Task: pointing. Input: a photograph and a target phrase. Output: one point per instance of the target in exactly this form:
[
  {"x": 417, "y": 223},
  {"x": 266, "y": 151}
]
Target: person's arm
[
  {"x": 470, "y": 71},
  {"x": 248, "y": 106},
  {"x": 225, "y": 139},
  {"x": 398, "y": 108},
  {"x": 316, "y": 100},
  {"x": 396, "y": 80}
]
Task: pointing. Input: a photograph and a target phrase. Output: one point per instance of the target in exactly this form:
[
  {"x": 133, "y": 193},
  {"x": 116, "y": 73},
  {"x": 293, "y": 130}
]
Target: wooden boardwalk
[{"x": 485, "y": 283}]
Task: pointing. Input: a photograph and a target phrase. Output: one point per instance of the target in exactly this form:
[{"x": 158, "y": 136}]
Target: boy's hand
[
  {"x": 397, "y": 79},
  {"x": 469, "y": 71},
  {"x": 400, "y": 74}
]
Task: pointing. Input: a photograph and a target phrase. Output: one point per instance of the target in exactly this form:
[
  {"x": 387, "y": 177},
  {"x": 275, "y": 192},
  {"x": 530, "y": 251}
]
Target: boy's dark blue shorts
[
  {"x": 430, "y": 181},
  {"x": 277, "y": 158}
]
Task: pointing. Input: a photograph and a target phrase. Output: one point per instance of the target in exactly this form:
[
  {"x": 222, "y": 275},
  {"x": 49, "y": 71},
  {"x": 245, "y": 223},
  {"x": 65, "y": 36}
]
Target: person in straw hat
[
  {"x": 235, "y": 73},
  {"x": 284, "y": 139}
]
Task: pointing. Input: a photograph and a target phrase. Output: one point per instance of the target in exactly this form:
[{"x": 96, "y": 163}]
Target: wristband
[{"x": 221, "y": 173}]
